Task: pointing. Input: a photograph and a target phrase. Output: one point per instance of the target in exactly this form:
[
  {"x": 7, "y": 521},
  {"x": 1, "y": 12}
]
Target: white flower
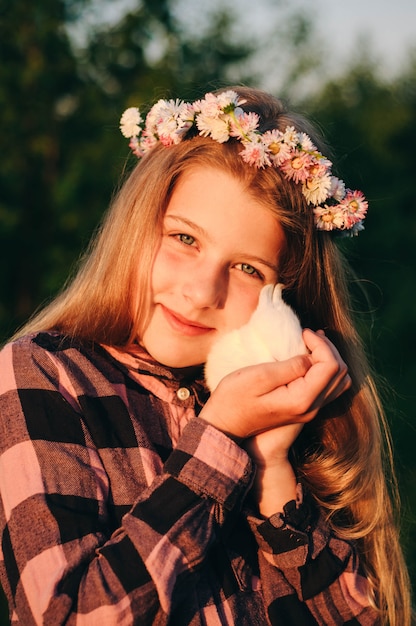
[
  {"x": 337, "y": 189},
  {"x": 130, "y": 122},
  {"x": 173, "y": 109},
  {"x": 316, "y": 190},
  {"x": 154, "y": 116},
  {"x": 214, "y": 127},
  {"x": 290, "y": 136},
  {"x": 357, "y": 227},
  {"x": 167, "y": 131},
  {"x": 227, "y": 98},
  {"x": 168, "y": 120},
  {"x": 220, "y": 117},
  {"x": 209, "y": 107},
  {"x": 279, "y": 151},
  {"x": 187, "y": 115},
  {"x": 306, "y": 143}
]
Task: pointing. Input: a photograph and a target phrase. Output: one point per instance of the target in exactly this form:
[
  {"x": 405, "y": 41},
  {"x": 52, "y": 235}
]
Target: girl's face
[{"x": 219, "y": 247}]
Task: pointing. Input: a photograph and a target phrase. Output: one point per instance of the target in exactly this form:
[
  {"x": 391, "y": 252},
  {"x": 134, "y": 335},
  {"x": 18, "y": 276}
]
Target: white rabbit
[{"x": 273, "y": 333}]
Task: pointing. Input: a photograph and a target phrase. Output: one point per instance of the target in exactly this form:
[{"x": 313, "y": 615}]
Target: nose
[{"x": 206, "y": 286}]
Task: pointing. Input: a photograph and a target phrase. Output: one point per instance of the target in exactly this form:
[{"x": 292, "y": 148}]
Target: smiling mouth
[{"x": 184, "y": 326}]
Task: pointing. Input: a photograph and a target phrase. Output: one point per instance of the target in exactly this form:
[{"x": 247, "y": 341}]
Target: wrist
[
  {"x": 213, "y": 420},
  {"x": 274, "y": 486}
]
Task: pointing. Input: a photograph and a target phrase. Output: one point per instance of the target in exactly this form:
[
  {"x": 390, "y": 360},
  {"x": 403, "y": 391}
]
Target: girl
[{"x": 129, "y": 494}]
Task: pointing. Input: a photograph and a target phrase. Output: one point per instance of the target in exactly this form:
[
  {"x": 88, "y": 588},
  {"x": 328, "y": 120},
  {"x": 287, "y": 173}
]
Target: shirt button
[{"x": 183, "y": 393}]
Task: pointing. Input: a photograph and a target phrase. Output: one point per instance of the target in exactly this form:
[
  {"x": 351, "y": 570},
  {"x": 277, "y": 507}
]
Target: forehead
[{"x": 219, "y": 205}]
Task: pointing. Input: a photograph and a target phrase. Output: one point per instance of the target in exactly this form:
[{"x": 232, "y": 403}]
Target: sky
[
  {"x": 388, "y": 27},
  {"x": 384, "y": 29}
]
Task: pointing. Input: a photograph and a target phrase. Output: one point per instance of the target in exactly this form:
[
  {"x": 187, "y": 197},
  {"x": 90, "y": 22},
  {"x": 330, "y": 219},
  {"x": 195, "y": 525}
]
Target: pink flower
[
  {"x": 297, "y": 166},
  {"x": 328, "y": 218},
  {"x": 220, "y": 117},
  {"x": 354, "y": 206},
  {"x": 243, "y": 124},
  {"x": 209, "y": 106},
  {"x": 147, "y": 141},
  {"x": 135, "y": 147},
  {"x": 255, "y": 154}
]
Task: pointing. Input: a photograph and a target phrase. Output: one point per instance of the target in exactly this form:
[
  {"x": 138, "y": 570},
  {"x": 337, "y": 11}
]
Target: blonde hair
[{"x": 344, "y": 455}]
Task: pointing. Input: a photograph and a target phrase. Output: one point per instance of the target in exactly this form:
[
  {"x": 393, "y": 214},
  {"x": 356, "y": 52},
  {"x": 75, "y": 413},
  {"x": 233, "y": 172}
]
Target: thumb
[{"x": 266, "y": 377}]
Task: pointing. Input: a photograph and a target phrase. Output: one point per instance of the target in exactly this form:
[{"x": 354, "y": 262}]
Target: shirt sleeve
[
  {"x": 169, "y": 529},
  {"x": 319, "y": 577},
  {"x": 60, "y": 561}
]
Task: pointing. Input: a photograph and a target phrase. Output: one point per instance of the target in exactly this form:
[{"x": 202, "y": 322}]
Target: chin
[{"x": 173, "y": 361}]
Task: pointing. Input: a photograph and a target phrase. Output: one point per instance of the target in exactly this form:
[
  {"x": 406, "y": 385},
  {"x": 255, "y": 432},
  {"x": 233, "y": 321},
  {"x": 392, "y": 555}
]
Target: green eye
[
  {"x": 186, "y": 239},
  {"x": 248, "y": 269}
]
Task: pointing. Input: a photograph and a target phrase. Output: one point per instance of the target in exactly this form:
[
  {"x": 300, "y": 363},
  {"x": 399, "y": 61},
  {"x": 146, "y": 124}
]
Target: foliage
[
  {"x": 38, "y": 73},
  {"x": 373, "y": 125},
  {"x": 60, "y": 109}
]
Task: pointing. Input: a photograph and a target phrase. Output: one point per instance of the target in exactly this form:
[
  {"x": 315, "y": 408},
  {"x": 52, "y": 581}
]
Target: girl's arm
[
  {"x": 316, "y": 576},
  {"x": 64, "y": 558}
]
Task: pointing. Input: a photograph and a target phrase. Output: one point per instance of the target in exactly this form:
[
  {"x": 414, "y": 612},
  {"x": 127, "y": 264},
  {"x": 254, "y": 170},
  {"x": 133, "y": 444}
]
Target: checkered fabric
[{"x": 120, "y": 506}]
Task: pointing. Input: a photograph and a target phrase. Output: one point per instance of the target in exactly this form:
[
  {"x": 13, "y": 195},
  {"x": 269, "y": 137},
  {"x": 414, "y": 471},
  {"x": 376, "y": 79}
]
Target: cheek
[
  {"x": 163, "y": 270},
  {"x": 240, "y": 306}
]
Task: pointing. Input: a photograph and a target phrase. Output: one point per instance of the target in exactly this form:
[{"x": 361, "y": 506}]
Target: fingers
[
  {"x": 300, "y": 385},
  {"x": 328, "y": 368},
  {"x": 325, "y": 379},
  {"x": 257, "y": 398},
  {"x": 265, "y": 378}
]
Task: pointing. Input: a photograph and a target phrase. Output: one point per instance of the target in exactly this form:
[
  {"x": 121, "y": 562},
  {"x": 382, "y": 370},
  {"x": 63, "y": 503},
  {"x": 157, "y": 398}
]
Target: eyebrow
[
  {"x": 202, "y": 231},
  {"x": 190, "y": 223}
]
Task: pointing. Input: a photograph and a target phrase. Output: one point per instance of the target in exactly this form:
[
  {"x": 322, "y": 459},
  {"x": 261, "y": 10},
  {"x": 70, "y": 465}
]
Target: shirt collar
[{"x": 162, "y": 381}]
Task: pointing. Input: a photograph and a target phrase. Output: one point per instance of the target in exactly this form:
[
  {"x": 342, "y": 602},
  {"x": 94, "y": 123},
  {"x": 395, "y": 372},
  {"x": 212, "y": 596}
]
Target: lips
[{"x": 182, "y": 325}]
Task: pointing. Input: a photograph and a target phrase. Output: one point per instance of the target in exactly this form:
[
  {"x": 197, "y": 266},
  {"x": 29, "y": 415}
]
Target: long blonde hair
[{"x": 344, "y": 455}]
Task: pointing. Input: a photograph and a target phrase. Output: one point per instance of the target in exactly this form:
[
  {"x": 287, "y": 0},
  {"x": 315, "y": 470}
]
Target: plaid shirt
[{"x": 119, "y": 506}]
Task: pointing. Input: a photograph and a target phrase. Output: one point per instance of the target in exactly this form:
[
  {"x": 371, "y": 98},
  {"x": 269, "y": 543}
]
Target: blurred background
[{"x": 68, "y": 68}]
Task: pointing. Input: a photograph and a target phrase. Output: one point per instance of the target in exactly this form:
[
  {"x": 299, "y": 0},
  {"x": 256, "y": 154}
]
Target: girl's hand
[
  {"x": 266, "y": 406},
  {"x": 262, "y": 397}
]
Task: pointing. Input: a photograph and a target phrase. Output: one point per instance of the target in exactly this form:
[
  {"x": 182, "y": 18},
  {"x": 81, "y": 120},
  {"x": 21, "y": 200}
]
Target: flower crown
[{"x": 220, "y": 117}]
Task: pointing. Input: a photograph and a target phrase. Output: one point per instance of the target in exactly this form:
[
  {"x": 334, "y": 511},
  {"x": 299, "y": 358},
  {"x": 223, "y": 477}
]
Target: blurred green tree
[
  {"x": 373, "y": 124},
  {"x": 37, "y": 75},
  {"x": 60, "y": 106}
]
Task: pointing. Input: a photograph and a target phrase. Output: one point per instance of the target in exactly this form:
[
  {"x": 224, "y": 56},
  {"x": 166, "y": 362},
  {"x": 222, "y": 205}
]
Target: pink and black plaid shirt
[{"x": 120, "y": 506}]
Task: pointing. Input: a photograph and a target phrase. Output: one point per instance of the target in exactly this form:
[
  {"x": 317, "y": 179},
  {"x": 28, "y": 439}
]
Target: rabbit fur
[{"x": 273, "y": 333}]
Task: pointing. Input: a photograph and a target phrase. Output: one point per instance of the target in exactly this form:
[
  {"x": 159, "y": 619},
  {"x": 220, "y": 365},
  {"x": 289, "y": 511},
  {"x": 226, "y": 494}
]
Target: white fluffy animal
[{"x": 273, "y": 333}]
